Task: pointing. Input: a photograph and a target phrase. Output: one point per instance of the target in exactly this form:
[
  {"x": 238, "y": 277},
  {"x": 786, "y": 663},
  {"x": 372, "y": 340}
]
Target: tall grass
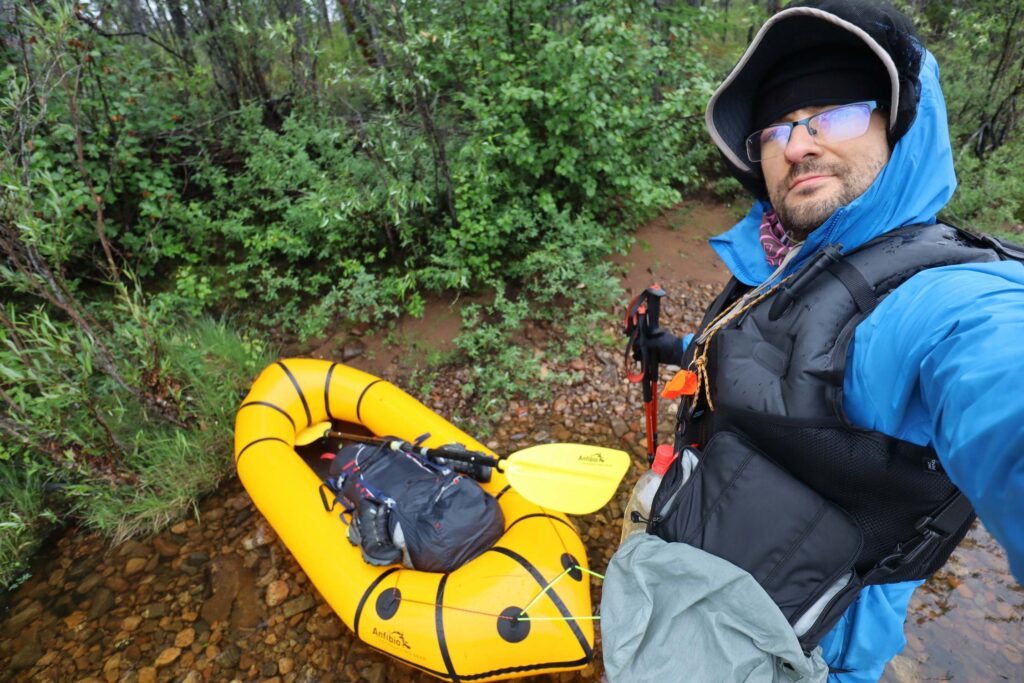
[{"x": 165, "y": 469}]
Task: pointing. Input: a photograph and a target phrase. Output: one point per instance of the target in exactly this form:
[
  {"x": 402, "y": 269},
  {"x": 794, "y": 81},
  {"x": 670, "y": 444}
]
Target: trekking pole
[{"x": 642, "y": 324}]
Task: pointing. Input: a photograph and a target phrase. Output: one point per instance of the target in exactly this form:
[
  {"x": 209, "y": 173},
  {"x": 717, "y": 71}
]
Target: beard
[{"x": 802, "y": 218}]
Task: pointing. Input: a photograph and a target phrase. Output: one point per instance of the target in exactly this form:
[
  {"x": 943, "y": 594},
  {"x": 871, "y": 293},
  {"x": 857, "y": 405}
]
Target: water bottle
[{"x": 643, "y": 493}]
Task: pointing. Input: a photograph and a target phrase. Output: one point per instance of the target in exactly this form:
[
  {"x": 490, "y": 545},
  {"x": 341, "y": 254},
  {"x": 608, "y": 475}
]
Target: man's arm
[{"x": 940, "y": 362}]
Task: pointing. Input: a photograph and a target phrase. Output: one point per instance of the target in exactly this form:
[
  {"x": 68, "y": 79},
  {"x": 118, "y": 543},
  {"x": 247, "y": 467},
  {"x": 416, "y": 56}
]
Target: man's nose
[{"x": 801, "y": 145}]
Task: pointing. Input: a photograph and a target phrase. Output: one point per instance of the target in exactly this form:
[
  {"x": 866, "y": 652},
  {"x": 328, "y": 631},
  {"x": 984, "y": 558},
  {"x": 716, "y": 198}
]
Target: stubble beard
[{"x": 801, "y": 219}]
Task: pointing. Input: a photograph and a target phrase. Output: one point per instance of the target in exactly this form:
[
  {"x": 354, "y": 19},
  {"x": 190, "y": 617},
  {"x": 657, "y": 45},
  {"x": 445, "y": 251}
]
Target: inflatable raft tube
[{"x": 459, "y": 626}]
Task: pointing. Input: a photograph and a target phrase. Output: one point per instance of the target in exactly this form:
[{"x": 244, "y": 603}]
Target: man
[{"x": 880, "y": 368}]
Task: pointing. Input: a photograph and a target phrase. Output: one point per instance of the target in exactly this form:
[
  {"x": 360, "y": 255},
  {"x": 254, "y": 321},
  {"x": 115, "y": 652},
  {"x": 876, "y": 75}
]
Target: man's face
[{"x": 813, "y": 177}]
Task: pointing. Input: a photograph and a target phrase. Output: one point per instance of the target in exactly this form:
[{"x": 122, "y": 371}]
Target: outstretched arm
[{"x": 941, "y": 362}]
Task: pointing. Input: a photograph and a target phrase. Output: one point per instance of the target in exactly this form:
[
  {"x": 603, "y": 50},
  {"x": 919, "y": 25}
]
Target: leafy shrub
[{"x": 104, "y": 458}]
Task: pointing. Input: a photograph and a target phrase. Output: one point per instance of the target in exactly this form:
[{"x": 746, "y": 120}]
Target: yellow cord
[{"x": 522, "y": 615}]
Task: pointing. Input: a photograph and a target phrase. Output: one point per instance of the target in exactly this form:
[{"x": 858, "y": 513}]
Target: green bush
[
  {"x": 979, "y": 47},
  {"x": 990, "y": 195},
  {"x": 80, "y": 446}
]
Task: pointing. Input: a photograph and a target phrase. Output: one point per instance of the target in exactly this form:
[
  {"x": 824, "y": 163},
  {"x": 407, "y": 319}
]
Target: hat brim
[{"x": 729, "y": 114}]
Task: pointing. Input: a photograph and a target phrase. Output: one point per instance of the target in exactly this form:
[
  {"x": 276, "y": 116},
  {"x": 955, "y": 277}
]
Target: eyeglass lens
[{"x": 834, "y": 125}]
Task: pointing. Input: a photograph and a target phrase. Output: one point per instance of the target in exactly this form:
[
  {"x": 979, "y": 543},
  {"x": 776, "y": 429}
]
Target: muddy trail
[{"x": 217, "y": 597}]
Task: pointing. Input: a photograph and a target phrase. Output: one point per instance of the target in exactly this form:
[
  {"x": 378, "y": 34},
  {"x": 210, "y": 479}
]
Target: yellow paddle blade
[
  {"x": 312, "y": 433},
  {"x": 569, "y": 477}
]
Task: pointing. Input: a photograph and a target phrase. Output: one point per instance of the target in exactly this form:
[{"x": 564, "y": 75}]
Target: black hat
[
  {"x": 835, "y": 74},
  {"x": 790, "y": 61}
]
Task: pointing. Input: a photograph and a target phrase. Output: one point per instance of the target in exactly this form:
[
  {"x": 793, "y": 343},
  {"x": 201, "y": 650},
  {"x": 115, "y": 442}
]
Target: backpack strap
[
  {"x": 856, "y": 284},
  {"x": 932, "y": 530}
]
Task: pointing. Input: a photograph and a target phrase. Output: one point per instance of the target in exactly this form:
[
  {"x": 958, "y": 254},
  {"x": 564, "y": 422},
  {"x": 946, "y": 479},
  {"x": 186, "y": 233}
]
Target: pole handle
[{"x": 471, "y": 457}]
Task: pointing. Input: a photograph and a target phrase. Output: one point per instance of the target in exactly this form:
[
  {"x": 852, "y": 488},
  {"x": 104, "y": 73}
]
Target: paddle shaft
[{"x": 472, "y": 457}]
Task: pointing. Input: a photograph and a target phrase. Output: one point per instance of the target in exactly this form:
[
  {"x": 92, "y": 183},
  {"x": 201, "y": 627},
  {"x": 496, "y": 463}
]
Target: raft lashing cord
[{"x": 522, "y": 614}]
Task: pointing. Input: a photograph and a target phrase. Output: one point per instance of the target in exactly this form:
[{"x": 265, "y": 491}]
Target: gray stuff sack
[{"x": 713, "y": 621}]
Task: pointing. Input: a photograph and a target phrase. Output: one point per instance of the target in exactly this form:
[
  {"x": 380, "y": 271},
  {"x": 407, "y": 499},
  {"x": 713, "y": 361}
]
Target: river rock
[
  {"x": 24, "y": 616},
  {"x": 130, "y": 623},
  {"x": 167, "y": 656},
  {"x": 238, "y": 502},
  {"x": 74, "y": 620},
  {"x": 165, "y": 548},
  {"x": 84, "y": 566},
  {"x": 352, "y": 349},
  {"x": 328, "y": 628},
  {"x": 154, "y": 610},
  {"x": 277, "y": 591},
  {"x": 185, "y": 637},
  {"x": 27, "y": 655},
  {"x": 234, "y": 595},
  {"x": 116, "y": 584},
  {"x": 376, "y": 673},
  {"x": 102, "y": 602},
  {"x": 134, "y": 549},
  {"x": 904, "y": 670},
  {"x": 113, "y": 664},
  {"x": 263, "y": 535},
  {"x": 88, "y": 583},
  {"x": 296, "y": 605},
  {"x": 134, "y": 565}
]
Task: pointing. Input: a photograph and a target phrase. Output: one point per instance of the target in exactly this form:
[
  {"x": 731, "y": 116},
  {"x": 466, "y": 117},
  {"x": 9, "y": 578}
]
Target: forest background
[{"x": 186, "y": 185}]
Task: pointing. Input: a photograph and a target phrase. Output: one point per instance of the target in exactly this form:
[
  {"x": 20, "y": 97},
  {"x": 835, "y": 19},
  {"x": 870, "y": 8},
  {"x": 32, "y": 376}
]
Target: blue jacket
[{"x": 936, "y": 363}]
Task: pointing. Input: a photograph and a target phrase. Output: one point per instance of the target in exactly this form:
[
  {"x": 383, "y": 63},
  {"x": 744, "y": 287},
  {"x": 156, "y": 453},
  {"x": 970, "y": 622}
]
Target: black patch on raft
[
  {"x": 366, "y": 594},
  {"x": 388, "y": 602},
  {"x": 575, "y": 573},
  {"x": 511, "y": 628}
]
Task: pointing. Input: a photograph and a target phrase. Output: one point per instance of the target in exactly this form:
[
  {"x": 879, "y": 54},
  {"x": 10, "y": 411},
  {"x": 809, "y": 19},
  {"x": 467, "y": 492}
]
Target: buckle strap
[
  {"x": 949, "y": 517},
  {"x": 856, "y": 284},
  {"x": 932, "y": 530}
]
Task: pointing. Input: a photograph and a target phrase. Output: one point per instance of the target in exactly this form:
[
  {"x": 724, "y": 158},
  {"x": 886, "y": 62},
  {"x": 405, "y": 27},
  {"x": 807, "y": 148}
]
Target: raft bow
[{"x": 466, "y": 625}]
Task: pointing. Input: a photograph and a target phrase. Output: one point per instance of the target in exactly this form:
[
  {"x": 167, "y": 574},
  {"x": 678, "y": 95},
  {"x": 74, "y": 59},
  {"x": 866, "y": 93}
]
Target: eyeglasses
[{"x": 832, "y": 125}]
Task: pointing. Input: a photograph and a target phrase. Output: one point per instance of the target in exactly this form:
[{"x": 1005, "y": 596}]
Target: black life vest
[{"x": 776, "y": 377}]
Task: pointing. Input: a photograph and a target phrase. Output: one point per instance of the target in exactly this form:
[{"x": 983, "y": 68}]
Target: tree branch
[{"x": 91, "y": 23}]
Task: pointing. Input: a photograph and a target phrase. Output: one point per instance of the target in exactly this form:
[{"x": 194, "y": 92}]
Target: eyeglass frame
[{"x": 805, "y": 122}]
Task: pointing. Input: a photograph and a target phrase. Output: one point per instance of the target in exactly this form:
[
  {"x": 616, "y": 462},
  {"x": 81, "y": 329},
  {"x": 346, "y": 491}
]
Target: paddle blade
[
  {"x": 312, "y": 433},
  {"x": 569, "y": 477}
]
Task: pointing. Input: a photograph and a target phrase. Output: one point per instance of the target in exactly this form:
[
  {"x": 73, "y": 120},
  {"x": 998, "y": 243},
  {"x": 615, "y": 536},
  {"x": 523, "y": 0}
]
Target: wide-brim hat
[{"x": 800, "y": 28}]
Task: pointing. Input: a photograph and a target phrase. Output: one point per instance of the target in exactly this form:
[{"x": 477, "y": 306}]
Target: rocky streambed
[{"x": 217, "y": 597}]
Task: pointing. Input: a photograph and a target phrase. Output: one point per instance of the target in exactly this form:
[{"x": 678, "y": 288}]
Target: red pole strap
[{"x": 651, "y": 415}]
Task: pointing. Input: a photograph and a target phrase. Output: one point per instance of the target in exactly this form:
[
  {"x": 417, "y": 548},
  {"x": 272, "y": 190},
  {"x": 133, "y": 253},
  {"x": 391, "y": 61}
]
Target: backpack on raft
[{"x": 404, "y": 506}]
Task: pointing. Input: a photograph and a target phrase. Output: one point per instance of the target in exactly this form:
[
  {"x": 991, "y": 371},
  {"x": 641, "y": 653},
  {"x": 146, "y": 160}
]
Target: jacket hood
[{"x": 912, "y": 187}]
